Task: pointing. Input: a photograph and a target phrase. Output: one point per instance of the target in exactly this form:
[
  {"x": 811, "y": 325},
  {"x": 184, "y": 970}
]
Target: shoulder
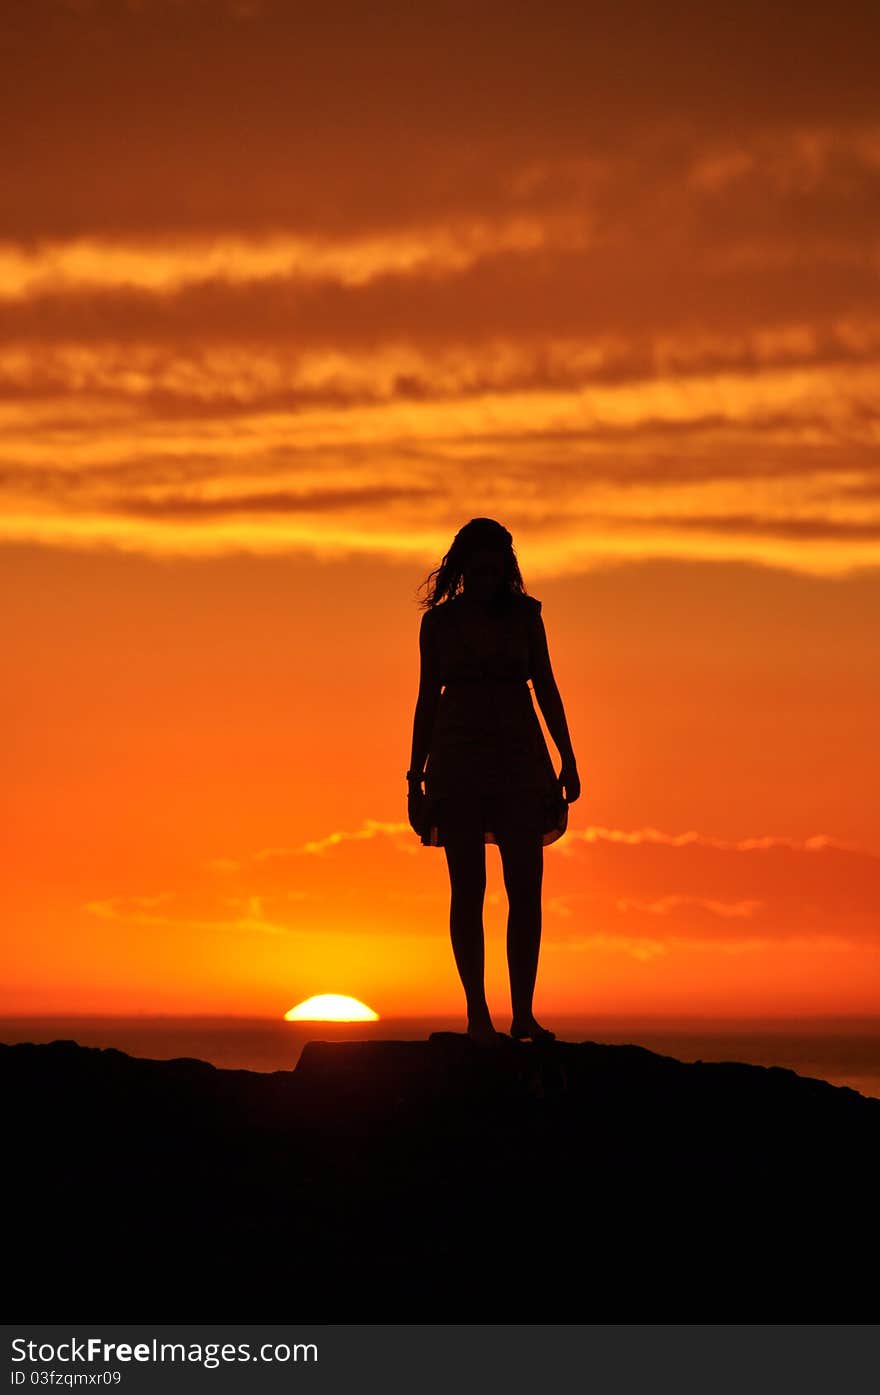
[
  {"x": 533, "y": 623},
  {"x": 434, "y": 617}
]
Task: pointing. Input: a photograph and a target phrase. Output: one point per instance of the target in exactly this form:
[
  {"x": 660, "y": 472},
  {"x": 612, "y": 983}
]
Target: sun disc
[{"x": 331, "y": 1007}]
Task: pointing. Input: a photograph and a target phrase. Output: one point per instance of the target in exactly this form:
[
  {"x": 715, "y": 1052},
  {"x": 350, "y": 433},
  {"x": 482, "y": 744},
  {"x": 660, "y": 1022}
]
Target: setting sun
[{"x": 331, "y": 1007}]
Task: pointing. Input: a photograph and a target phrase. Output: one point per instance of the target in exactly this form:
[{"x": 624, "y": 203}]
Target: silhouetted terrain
[{"x": 426, "y": 1181}]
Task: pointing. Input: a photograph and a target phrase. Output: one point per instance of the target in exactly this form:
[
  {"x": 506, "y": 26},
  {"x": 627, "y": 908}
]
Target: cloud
[
  {"x": 778, "y": 469},
  {"x": 608, "y": 281},
  {"x": 641, "y": 948},
  {"x": 667, "y": 904},
  {"x": 655, "y": 836},
  {"x": 646, "y": 889},
  {"x": 370, "y": 829},
  {"x": 249, "y": 915},
  {"x": 703, "y": 888},
  {"x": 315, "y": 501},
  {"x": 642, "y": 892},
  {"x": 165, "y": 266}
]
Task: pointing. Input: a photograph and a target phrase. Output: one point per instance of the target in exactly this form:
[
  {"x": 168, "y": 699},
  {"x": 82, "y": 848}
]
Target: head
[{"x": 481, "y": 562}]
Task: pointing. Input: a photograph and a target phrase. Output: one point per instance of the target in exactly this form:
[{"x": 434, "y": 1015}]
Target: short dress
[{"x": 488, "y": 763}]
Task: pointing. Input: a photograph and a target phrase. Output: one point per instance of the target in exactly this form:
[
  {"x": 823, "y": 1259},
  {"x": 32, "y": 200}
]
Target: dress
[{"x": 487, "y": 758}]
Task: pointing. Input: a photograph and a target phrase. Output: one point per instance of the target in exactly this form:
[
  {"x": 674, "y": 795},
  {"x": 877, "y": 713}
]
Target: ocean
[{"x": 842, "y": 1050}]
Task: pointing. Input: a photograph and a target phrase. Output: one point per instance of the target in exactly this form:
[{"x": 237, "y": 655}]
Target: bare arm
[
  {"x": 550, "y": 702},
  {"x": 429, "y": 694}
]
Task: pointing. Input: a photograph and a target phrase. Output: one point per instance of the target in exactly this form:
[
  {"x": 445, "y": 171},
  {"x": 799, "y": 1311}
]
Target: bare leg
[
  {"x": 465, "y": 850},
  {"x": 522, "y": 859}
]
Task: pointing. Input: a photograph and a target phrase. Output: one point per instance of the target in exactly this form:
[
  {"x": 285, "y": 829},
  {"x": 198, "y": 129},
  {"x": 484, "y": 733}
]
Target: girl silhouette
[{"x": 489, "y": 776}]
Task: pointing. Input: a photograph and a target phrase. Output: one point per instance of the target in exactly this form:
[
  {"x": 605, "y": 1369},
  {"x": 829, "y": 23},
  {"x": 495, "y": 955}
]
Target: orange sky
[{"x": 287, "y": 294}]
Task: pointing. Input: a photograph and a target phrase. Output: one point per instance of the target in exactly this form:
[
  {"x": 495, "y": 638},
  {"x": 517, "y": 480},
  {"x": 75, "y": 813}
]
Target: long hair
[{"x": 445, "y": 581}]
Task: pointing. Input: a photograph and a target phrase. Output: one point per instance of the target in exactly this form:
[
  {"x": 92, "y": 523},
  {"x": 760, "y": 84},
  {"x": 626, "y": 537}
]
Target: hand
[
  {"x": 569, "y": 781},
  {"x": 415, "y": 807}
]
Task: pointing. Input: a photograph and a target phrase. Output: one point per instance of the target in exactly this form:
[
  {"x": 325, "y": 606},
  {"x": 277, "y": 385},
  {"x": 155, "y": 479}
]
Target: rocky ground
[{"x": 427, "y": 1181}]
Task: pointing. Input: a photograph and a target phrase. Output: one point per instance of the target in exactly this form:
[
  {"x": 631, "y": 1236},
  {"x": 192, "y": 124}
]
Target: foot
[
  {"x": 482, "y": 1033},
  {"x": 523, "y": 1027}
]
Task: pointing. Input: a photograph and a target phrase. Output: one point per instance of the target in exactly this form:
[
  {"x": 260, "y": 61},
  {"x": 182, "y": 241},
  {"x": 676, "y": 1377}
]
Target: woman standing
[{"x": 489, "y": 776}]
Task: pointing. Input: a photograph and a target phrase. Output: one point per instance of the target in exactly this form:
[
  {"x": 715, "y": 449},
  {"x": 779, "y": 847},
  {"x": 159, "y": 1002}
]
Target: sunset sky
[{"x": 288, "y": 293}]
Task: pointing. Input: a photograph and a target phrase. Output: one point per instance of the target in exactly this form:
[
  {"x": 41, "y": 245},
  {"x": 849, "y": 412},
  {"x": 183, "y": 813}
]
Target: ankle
[
  {"x": 481, "y": 1028},
  {"x": 523, "y": 1015},
  {"x": 477, "y": 1009}
]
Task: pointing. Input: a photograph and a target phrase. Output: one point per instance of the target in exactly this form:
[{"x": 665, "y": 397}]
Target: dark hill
[{"x": 427, "y": 1181}]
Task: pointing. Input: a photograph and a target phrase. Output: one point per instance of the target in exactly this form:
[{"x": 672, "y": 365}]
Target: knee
[
  {"x": 469, "y": 890},
  {"x": 526, "y": 908},
  {"x": 523, "y": 891}
]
